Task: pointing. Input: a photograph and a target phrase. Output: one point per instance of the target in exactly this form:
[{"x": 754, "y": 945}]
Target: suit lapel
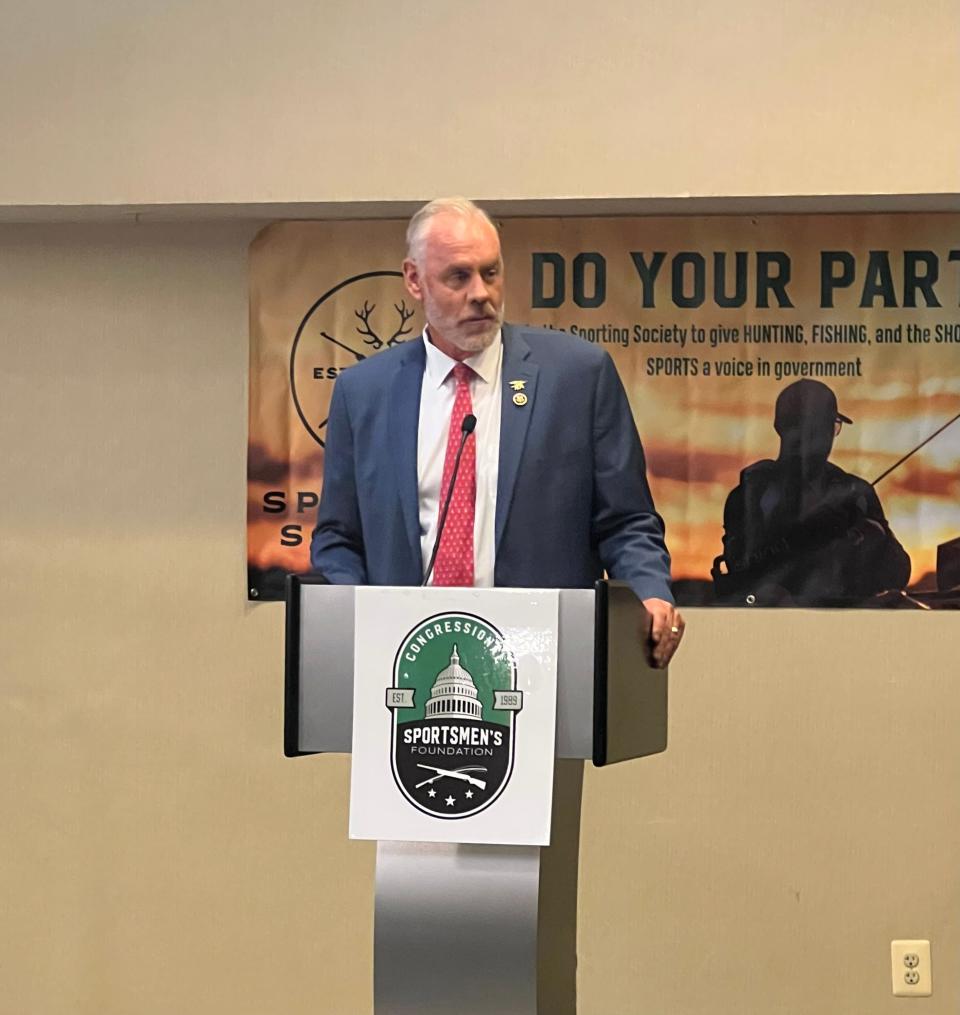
[
  {"x": 404, "y": 424},
  {"x": 514, "y": 420}
]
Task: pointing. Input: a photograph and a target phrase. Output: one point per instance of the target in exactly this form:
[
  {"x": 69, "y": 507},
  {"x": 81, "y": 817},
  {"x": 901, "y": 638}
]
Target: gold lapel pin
[
  {"x": 520, "y": 398},
  {"x": 518, "y": 385}
]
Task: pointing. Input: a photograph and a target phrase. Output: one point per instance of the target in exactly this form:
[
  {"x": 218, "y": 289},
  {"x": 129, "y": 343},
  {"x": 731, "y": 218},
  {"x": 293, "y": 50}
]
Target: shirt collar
[{"x": 484, "y": 363}]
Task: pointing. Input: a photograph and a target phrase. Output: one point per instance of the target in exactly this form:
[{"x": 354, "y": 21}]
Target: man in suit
[{"x": 551, "y": 488}]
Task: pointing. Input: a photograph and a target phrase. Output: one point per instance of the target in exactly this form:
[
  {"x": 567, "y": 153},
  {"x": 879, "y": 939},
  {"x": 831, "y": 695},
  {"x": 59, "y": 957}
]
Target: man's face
[{"x": 458, "y": 277}]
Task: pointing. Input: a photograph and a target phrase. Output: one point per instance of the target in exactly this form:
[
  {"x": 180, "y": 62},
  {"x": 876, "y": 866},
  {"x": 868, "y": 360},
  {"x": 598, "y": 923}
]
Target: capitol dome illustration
[{"x": 454, "y": 694}]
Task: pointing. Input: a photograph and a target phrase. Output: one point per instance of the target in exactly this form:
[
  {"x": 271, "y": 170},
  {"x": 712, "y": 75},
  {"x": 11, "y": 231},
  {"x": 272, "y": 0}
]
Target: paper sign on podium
[{"x": 454, "y": 715}]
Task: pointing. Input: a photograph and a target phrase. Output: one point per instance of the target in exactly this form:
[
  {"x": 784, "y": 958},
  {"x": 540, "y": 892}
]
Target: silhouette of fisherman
[{"x": 800, "y": 530}]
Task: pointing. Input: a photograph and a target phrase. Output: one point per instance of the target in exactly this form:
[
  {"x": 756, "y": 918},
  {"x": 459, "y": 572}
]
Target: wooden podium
[{"x": 484, "y": 930}]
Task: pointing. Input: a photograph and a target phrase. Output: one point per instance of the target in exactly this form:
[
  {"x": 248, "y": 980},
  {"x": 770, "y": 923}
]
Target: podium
[{"x": 471, "y": 929}]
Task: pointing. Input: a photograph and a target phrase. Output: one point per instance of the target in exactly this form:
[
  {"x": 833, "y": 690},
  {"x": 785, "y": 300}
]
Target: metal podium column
[{"x": 481, "y": 930}]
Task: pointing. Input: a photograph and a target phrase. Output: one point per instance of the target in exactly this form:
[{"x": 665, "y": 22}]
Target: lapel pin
[
  {"x": 518, "y": 385},
  {"x": 519, "y": 398}
]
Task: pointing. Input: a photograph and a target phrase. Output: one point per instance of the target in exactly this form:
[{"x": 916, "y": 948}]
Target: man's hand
[{"x": 663, "y": 629}]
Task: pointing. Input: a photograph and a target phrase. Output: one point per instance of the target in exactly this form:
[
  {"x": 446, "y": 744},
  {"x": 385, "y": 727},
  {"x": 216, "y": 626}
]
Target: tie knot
[{"x": 462, "y": 373}]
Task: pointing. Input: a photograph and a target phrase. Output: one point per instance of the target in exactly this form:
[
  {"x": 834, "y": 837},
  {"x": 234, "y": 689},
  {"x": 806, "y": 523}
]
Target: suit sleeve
[
  {"x": 336, "y": 549},
  {"x": 628, "y": 531}
]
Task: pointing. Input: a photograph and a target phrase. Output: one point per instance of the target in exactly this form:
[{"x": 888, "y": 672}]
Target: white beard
[{"x": 470, "y": 342}]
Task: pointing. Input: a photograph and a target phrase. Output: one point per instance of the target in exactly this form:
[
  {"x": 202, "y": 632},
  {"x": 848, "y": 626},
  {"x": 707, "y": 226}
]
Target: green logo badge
[{"x": 455, "y": 701}]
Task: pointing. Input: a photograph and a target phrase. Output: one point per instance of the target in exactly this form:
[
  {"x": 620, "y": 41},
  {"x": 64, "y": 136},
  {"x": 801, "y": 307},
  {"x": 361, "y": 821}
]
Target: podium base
[{"x": 478, "y": 930}]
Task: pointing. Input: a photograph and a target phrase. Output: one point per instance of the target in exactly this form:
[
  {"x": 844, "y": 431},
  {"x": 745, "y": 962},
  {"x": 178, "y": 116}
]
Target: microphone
[{"x": 466, "y": 428}]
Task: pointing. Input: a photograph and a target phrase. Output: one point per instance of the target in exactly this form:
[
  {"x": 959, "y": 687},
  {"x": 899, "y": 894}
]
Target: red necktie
[{"x": 454, "y": 563}]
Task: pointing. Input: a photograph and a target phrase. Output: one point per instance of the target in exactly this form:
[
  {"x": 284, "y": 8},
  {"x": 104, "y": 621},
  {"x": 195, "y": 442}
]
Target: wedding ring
[{"x": 674, "y": 629}]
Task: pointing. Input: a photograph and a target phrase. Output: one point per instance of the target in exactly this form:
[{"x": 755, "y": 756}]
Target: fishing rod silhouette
[{"x": 910, "y": 454}]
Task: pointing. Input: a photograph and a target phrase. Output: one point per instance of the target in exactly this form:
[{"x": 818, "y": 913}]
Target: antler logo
[
  {"x": 357, "y": 318},
  {"x": 374, "y": 339}
]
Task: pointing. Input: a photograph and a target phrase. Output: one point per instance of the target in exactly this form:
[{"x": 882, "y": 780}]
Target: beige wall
[
  {"x": 247, "y": 101},
  {"x": 161, "y": 856}
]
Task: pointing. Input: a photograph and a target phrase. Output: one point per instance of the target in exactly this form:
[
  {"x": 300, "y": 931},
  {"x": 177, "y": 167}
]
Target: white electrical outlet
[{"x": 910, "y": 966}]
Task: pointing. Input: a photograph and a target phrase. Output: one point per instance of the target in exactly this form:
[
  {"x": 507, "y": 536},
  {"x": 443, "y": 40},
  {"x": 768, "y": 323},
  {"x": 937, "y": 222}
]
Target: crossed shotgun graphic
[{"x": 454, "y": 773}]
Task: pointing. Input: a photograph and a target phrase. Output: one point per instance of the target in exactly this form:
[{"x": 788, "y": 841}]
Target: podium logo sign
[
  {"x": 455, "y": 703},
  {"x": 454, "y": 714}
]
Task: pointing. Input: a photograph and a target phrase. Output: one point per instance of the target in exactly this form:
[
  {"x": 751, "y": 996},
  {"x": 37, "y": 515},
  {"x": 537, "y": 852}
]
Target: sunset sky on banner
[{"x": 324, "y": 295}]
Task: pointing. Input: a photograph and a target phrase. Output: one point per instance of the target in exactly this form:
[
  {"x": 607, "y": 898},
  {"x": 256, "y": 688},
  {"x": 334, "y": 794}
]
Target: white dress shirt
[{"x": 436, "y": 404}]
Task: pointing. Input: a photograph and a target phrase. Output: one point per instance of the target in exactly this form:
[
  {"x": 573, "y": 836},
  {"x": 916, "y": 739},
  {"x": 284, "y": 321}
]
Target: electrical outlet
[{"x": 910, "y": 966}]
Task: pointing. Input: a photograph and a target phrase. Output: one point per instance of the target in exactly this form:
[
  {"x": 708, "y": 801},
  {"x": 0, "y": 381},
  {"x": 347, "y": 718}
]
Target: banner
[
  {"x": 795, "y": 381},
  {"x": 454, "y": 715}
]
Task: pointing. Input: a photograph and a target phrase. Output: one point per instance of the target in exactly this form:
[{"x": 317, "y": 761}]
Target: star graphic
[
  {"x": 469, "y": 794},
  {"x": 431, "y": 792},
  {"x": 449, "y": 801}
]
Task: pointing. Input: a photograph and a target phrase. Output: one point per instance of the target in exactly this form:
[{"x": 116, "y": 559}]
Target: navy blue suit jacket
[{"x": 572, "y": 493}]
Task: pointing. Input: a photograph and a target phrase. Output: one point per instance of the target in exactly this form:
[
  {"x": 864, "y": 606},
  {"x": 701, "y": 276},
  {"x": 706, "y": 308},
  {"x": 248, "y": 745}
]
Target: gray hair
[{"x": 417, "y": 228}]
